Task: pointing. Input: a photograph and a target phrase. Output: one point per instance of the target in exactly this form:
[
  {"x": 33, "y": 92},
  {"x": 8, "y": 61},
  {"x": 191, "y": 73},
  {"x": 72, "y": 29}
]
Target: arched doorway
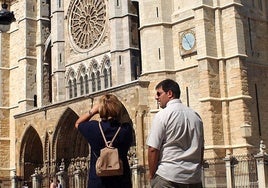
[
  {"x": 68, "y": 143},
  {"x": 69, "y": 147},
  {"x": 30, "y": 157}
]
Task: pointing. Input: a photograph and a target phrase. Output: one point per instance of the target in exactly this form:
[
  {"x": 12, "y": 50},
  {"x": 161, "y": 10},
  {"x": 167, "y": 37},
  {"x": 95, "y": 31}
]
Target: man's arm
[{"x": 153, "y": 158}]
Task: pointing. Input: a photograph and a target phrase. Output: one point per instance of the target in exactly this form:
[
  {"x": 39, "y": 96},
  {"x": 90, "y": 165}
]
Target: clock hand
[{"x": 188, "y": 42}]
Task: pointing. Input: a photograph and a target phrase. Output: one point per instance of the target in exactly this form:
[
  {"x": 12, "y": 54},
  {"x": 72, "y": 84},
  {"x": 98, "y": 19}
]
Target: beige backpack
[{"x": 109, "y": 163}]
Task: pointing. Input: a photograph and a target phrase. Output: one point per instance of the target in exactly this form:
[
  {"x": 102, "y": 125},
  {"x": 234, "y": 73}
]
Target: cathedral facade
[{"x": 60, "y": 56}]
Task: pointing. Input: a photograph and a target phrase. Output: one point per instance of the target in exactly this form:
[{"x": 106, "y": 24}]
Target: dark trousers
[{"x": 159, "y": 182}]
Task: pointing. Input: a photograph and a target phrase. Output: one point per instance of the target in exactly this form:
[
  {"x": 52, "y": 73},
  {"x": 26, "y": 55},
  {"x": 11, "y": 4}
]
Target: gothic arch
[
  {"x": 31, "y": 148},
  {"x": 70, "y": 74},
  {"x": 71, "y": 84},
  {"x": 106, "y": 71},
  {"x": 104, "y": 64},
  {"x": 68, "y": 143},
  {"x": 93, "y": 66},
  {"x": 82, "y": 79},
  {"x": 81, "y": 71}
]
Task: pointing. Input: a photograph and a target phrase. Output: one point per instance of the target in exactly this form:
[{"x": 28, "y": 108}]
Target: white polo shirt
[{"x": 177, "y": 131}]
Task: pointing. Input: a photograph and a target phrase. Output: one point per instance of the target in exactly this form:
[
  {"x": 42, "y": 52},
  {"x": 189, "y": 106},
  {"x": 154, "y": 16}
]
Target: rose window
[{"x": 87, "y": 23}]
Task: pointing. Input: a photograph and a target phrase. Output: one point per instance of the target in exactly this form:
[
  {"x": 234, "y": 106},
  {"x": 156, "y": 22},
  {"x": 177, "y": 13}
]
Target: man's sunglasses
[{"x": 158, "y": 94}]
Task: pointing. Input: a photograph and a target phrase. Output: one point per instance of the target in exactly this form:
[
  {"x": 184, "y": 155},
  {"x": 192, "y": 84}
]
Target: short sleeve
[
  {"x": 90, "y": 131},
  {"x": 157, "y": 132},
  {"x": 84, "y": 129}
]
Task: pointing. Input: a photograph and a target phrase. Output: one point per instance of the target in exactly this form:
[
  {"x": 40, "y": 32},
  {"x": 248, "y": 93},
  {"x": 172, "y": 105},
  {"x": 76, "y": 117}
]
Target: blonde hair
[{"x": 110, "y": 107}]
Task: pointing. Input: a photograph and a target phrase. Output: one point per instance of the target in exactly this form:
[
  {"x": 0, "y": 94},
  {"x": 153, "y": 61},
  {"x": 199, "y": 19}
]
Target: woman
[{"x": 113, "y": 114}]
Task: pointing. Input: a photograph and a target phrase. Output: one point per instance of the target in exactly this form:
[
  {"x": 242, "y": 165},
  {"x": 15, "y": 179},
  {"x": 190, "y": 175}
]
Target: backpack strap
[{"x": 110, "y": 143}]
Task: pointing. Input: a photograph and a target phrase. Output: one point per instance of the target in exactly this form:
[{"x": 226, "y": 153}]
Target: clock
[{"x": 188, "y": 42}]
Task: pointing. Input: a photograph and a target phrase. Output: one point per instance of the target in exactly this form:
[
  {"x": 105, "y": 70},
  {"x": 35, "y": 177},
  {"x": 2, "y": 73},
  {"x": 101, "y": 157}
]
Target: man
[
  {"x": 25, "y": 185},
  {"x": 176, "y": 141},
  {"x": 59, "y": 184}
]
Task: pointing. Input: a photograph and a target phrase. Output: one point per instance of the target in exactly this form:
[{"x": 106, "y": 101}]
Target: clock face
[{"x": 188, "y": 40}]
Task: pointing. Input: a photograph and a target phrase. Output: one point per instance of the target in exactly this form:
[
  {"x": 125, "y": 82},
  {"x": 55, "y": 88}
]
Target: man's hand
[{"x": 153, "y": 158}]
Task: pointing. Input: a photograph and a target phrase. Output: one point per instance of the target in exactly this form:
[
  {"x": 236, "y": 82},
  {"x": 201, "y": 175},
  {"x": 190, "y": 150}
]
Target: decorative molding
[
  {"x": 208, "y": 147},
  {"x": 9, "y": 68},
  {"x": 238, "y": 97}
]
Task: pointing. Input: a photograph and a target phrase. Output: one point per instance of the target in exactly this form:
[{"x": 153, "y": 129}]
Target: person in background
[
  {"x": 52, "y": 184},
  {"x": 25, "y": 185},
  {"x": 112, "y": 114},
  {"x": 175, "y": 142},
  {"x": 59, "y": 184}
]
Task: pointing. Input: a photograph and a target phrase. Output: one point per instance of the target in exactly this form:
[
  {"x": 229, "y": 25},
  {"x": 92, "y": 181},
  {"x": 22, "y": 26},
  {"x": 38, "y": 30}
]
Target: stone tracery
[{"x": 87, "y": 23}]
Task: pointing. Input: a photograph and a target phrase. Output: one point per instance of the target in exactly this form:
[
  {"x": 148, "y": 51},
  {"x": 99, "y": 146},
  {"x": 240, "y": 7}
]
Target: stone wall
[{"x": 224, "y": 78}]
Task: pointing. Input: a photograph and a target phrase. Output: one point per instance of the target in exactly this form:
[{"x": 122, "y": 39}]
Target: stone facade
[{"x": 60, "y": 56}]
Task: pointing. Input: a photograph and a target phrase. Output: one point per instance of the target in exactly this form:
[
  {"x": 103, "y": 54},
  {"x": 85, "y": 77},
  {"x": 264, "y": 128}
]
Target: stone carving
[
  {"x": 87, "y": 23},
  {"x": 262, "y": 148},
  {"x": 62, "y": 165},
  {"x": 132, "y": 157}
]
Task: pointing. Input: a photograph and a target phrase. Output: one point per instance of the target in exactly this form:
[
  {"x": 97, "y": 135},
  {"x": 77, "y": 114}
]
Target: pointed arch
[
  {"x": 103, "y": 62},
  {"x": 82, "y": 79},
  {"x": 71, "y": 85},
  {"x": 67, "y": 142},
  {"x": 81, "y": 71},
  {"x": 93, "y": 67},
  {"x": 70, "y": 74},
  {"x": 31, "y": 148},
  {"x": 106, "y": 70}
]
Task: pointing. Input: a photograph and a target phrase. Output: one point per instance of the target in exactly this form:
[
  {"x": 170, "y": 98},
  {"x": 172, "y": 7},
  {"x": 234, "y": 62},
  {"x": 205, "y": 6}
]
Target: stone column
[
  {"x": 78, "y": 178},
  {"x": 230, "y": 161},
  {"x": 140, "y": 137},
  {"x": 58, "y": 50},
  {"x": 135, "y": 175},
  {"x": 14, "y": 180},
  {"x": 36, "y": 179},
  {"x": 262, "y": 166},
  {"x": 61, "y": 175}
]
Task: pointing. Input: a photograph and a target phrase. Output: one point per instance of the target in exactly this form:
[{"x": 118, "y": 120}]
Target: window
[
  {"x": 106, "y": 80},
  {"x": 86, "y": 84},
  {"x": 82, "y": 90},
  {"x": 107, "y": 74},
  {"x": 93, "y": 82},
  {"x": 98, "y": 80},
  {"x": 75, "y": 87},
  {"x": 110, "y": 71},
  {"x": 35, "y": 100},
  {"x": 70, "y": 89}
]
